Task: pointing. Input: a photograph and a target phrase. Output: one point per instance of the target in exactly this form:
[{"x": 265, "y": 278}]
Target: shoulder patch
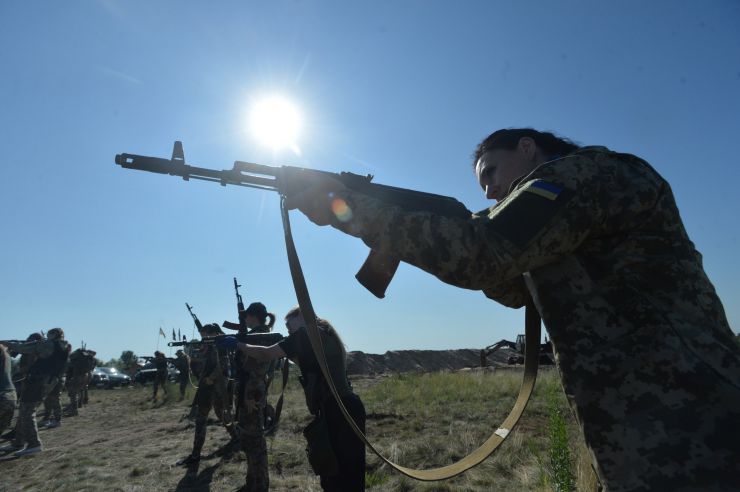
[
  {"x": 544, "y": 189},
  {"x": 521, "y": 218}
]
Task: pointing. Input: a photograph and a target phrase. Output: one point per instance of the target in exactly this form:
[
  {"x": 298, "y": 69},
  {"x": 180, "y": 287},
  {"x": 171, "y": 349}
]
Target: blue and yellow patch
[{"x": 544, "y": 189}]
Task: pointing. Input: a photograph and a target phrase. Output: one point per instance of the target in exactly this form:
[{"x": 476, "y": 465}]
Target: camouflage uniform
[
  {"x": 52, "y": 405},
  {"x": 211, "y": 394},
  {"x": 81, "y": 362},
  {"x": 7, "y": 391},
  {"x": 182, "y": 363},
  {"x": 646, "y": 356},
  {"x": 160, "y": 379},
  {"x": 251, "y": 404},
  {"x": 42, "y": 377}
]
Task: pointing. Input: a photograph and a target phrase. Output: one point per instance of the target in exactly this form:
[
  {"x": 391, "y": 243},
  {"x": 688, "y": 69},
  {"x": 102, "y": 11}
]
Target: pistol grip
[{"x": 377, "y": 272}]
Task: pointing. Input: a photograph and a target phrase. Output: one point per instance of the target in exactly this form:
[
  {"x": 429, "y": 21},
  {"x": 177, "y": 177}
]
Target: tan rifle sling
[{"x": 531, "y": 359}]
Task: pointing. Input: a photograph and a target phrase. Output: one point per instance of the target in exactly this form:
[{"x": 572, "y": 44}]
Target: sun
[{"x": 274, "y": 121}]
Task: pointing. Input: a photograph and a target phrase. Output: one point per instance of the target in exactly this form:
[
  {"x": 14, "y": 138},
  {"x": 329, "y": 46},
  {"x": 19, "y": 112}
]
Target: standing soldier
[
  {"x": 252, "y": 401},
  {"x": 42, "y": 377},
  {"x": 594, "y": 238},
  {"x": 182, "y": 363},
  {"x": 211, "y": 393},
  {"x": 160, "y": 379},
  {"x": 81, "y": 363},
  {"x": 341, "y": 464},
  {"x": 7, "y": 390}
]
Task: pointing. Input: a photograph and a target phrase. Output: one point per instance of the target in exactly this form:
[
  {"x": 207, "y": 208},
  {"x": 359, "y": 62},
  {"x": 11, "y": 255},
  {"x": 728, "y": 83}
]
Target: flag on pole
[
  {"x": 178, "y": 334},
  {"x": 161, "y": 332},
  {"x": 173, "y": 335}
]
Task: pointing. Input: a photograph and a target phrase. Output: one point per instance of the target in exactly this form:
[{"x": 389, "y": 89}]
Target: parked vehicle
[
  {"x": 99, "y": 379},
  {"x": 114, "y": 377},
  {"x": 148, "y": 372}
]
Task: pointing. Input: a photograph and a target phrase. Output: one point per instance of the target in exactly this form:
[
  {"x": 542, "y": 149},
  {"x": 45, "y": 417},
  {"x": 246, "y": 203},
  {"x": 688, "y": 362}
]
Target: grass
[{"x": 123, "y": 441}]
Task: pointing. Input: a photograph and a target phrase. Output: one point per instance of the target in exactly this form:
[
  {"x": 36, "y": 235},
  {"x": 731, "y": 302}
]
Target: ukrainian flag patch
[{"x": 544, "y": 189}]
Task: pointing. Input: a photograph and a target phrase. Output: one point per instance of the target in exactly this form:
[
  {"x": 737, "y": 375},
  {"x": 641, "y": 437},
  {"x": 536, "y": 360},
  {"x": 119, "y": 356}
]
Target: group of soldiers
[
  {"x": 234, "y": 387},
  {"x": 46, "y": 368}
]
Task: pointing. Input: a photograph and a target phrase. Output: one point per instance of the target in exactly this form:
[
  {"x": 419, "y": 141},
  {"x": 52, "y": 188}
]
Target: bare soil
[{"x": 122, "y": 441}]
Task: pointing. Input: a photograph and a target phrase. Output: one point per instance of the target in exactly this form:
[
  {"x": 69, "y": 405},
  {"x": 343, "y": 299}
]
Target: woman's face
[{"x": 294, "y": 323}]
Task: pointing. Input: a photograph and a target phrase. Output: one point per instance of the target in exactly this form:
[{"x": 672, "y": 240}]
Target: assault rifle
[
  {"x": 198, "y": 324},
  {"x": 378, "y": 270},
  {"x": 16, "y": 342},
  {"x": 242, "y": 325},
  {"x": 263, "y": 339}
]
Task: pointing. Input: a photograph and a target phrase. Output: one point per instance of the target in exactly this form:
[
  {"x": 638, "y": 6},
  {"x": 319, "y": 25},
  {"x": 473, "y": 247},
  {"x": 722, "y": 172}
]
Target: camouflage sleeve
[
  {"x": 543, "y": 218},
  {"x": 42, "y": 349}
]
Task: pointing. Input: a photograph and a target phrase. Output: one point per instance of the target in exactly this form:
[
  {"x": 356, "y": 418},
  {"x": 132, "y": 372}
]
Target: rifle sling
[
  {"x": 531, "y": 356},
  {"x": 279, "y": 404}
]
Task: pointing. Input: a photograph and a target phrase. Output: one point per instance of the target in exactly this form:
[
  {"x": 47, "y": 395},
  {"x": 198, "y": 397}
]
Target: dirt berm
[{"x": 421, "y": 360}]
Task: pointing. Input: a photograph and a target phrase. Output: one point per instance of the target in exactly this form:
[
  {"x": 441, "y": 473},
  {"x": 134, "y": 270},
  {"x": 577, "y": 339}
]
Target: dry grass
[{"x": 123, "y": 442}]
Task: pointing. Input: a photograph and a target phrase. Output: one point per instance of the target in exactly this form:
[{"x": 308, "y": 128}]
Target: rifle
[
  {"x": 242, "y": 325},
  {"x": 263, "y": 339},
  {"x": 378, "y": 270},
  {"x": 198, "y": 324}
]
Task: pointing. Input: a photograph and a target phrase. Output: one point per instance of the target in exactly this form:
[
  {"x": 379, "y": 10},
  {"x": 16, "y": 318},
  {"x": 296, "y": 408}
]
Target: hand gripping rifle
[
  {"x": 378, "y": 270},
  {"x": 197, "y": 322}
]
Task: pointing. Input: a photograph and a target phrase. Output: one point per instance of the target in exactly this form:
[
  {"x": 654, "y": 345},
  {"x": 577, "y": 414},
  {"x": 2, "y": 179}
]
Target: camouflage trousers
[
  {"x": 252, "y": 437},
  {"x": 207, "y": 397},
  {"x": 160, "y": 380},
  {"x": 7, "y": 409},
  {"x": 52, "y": 405},
  {"x": 76, "y": 390},
  {"x": 26, "y": 430}
]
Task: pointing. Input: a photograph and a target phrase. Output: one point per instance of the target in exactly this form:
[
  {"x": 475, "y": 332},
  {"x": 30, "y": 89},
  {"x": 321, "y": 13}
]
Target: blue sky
[{"x": 402, "y": 90}]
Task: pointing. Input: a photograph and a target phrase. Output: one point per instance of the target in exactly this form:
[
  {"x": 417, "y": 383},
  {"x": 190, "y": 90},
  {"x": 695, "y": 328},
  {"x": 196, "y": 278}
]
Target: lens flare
[{"x": 341, "y": 210}]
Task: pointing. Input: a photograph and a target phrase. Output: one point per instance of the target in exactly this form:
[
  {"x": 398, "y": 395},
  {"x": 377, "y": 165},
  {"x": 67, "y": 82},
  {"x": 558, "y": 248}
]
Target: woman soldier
[
  {"x": 340, "y": 463},
  {"x": 211, "y": 394},
  {"x": 252, "y": 400}
]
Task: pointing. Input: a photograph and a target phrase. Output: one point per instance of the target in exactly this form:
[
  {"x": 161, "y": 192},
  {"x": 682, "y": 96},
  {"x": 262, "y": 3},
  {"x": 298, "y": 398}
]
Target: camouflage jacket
[{"x": 597, "y": 238}]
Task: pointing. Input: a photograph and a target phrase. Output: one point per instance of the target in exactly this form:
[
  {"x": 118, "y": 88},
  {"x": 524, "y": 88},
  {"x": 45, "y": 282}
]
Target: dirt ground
[{"x": 122, "y": 441}]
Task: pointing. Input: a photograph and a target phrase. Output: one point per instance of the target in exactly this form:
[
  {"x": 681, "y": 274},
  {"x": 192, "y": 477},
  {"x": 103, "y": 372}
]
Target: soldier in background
[
  {"x": 160, "y": 379},
  {"x": 81, "y": 365},
  {"x": 7, "y": 390},
  {"x": 182, "y": 364},
  {"x": 42, "y": 377},
  {"x": 211, "y": 393},
  {"x": 25, "y": 363},
  {"x": 595, "y": 239}
]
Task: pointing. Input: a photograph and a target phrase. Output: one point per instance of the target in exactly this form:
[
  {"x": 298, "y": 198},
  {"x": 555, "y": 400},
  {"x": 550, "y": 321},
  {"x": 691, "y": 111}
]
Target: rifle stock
[{"x": 378, "y": 270}]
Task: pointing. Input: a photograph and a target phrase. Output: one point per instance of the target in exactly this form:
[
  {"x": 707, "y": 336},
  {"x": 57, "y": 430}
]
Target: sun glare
[{"x": 275, "y": 122}]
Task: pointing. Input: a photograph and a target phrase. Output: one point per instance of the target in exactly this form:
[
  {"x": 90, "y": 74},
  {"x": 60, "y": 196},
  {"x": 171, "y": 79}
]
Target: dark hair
[
  {"x": 259, "y": 311},
  {"x": 508, "y": 139}
]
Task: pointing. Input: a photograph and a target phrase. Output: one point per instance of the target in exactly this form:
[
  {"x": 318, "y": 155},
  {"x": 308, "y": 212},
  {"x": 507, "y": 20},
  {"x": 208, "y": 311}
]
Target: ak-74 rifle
[
  {"x": 378, "y": 270},
  {"x": 198, "y": 324},
  {"x": 242, "y": 325},
  {"x": 263, "y": 339}
]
